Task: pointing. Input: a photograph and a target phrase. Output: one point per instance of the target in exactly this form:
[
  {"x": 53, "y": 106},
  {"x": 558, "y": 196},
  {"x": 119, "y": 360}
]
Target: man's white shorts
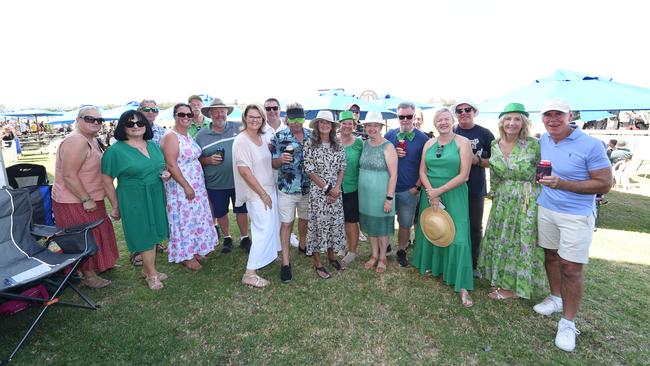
[
  {"x": 570, "y": 235},
  {"x": 288, "y": 203}
]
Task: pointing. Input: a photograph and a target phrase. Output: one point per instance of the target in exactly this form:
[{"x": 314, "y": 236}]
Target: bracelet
[{"x": 389, "y": 198}]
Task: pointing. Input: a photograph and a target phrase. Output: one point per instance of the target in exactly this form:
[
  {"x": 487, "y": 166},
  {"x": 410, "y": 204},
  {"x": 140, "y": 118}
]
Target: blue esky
[{"x": 67, "y": 53}]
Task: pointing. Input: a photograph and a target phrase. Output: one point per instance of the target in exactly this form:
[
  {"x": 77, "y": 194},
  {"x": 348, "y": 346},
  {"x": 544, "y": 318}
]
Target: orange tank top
[{"x": 90, "y": 174}]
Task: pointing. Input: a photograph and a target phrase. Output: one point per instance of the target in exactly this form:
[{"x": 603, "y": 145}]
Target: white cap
[{"x": 556, "y": 104}]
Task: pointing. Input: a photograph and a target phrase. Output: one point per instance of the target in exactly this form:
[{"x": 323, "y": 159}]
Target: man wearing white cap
[
  {"x": 566, "y": 217},
  {"x": 481, "y": 140}
]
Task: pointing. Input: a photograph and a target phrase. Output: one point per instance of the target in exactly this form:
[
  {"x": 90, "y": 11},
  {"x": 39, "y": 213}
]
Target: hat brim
[
  {"x": 314, "y": 121},
  {"x": 450, "y": 232},
  {"x": 206, "y": 110},
  {"x": 520, "y": 112},
  {"x": 363, "y": 123}
]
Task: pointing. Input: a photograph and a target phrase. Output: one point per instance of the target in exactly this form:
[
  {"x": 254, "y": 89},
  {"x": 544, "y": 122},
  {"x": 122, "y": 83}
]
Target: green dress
[
  {"x": 455, "y": 261},
  {"x": 140, "y": 193},
  {"x": 510, "y": 257},
  {"x": 373, "y": 182}
]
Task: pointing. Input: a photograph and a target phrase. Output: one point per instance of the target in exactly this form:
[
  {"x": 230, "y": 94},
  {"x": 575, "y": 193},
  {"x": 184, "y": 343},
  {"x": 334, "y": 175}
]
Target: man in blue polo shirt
[
  {"x": 407, "y": 190},
  {"x": 216, "y": 159},
  {"x": 566, "y": 217}
]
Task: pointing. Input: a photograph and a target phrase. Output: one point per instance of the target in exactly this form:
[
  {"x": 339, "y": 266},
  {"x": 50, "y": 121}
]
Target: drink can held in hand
[
  {"x": 289, "y": 149},
  {"x": 543, "y": 169},
  {"x": 402, "y": 145},
  {"x": 220, "y": 152}
]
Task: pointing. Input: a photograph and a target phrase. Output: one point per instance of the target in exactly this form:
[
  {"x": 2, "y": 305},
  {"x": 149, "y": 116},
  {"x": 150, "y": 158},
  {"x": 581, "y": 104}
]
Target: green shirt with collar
[{"x": 193, "y": 130}]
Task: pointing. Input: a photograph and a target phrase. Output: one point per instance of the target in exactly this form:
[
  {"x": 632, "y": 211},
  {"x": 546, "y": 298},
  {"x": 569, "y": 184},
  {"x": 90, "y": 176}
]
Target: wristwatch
[
  {"x": 389, "y": 198},
  {"x": 86, "y": 199}
]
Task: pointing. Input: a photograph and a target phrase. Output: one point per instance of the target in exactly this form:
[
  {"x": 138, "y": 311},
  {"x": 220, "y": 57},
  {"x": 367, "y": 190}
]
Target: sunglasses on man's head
[
  {"x": 466, "y": 110},
  {"x": 184, "y": 115},
  {"x": 90, "y": 119},
  {"x": 275, "y": 108},
  {"x": 409, "y": 117},
  {"x": 150, "y": 109},
  {"x": 439, "y": 151},
  {"x": 130, "y": 124}
]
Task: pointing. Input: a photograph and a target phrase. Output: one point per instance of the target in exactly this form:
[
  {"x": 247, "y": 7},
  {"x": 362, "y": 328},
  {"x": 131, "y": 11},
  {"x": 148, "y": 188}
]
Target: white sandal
[{"x": 259, "y": 282}]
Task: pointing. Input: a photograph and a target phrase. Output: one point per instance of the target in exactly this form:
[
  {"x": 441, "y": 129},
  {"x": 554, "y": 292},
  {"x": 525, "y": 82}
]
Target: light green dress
[
  {"x": 454, "y": 262},
  {"x": 510, "y": 257},
  {"x": 140, "y": 193},
  {"x": 373, "y": 182}
]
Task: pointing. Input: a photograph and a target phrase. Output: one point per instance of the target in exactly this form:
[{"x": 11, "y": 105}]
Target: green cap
[
  {"x": 346, "y": 115},
  {"x": 192, "y": 97},
  {"x": 514, "y": 108}
]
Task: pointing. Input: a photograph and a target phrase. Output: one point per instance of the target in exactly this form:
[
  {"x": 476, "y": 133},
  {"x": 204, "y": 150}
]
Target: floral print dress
[
  {"x": 326, "y": 228},
  {"x": 190, "y": 222},
  {"x": 510, "y": 257}
]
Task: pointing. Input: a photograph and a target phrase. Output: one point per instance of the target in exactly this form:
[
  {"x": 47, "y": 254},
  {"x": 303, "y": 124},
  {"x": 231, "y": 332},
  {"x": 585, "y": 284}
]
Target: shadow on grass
[{"x": 625, "y": 211}]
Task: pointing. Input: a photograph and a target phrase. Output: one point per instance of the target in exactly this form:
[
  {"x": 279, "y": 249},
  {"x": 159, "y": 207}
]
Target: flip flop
[
  {"x": 322, "y": 273},
  {"x": 466, "y": 299},
  {"x": 498, "y": 295}
]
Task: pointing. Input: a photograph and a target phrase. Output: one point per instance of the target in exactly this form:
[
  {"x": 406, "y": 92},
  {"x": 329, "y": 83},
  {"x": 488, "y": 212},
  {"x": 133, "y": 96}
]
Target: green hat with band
[
  {"x": 346, "y": 115},
  {"x": 514, "y": 108}
]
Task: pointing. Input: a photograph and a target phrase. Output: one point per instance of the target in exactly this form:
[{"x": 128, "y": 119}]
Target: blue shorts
[
  {"x": 220, "y": 199},
  {"x": 405, "y": 205}
]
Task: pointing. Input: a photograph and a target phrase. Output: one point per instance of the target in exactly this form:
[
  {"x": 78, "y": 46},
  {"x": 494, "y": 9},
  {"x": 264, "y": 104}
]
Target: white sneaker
[
  {"x": 566, "y": 335},
  {"x": 293, "y": 240},
  {"x": 362, "y": 236},
  {"x": 549, "y": 306}
]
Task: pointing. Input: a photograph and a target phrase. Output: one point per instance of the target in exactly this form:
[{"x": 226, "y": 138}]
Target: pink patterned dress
[{"x": 190, "y": 222}]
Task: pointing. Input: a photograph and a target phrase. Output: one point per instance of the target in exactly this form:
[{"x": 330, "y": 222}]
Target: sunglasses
[
  {"x": 150, "y": 109},
  {"x": 90, "y": 119},
  {"x": 409, "y": 117},
  {"x": 268, "y": 109},
  {"x": 130, "y": 124},
  {"x": 466, "y": 110},
  {"x": 355, "y": 110},
  {"x": 439, "y": 151},
  {"x": 185, "y": 115}
]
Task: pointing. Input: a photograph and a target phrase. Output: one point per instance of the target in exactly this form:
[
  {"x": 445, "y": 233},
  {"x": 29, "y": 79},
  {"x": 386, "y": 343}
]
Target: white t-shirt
[{"x": 258, "y": 159}]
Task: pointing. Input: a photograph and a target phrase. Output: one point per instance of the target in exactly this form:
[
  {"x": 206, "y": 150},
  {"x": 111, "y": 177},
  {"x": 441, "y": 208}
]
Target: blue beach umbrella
[
  {"x": 390, "y": 103},
  {"x": 336, "y": 100}
]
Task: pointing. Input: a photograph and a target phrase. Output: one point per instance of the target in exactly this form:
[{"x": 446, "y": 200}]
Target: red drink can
[
  {"x": 402, "y": 145},
  {"x": 543, "y": 169}
]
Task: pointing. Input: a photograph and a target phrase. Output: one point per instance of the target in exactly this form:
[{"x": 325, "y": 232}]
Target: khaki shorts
[
  {"x": 570, "y": 235},
  {"x": 288, "y": 203}
]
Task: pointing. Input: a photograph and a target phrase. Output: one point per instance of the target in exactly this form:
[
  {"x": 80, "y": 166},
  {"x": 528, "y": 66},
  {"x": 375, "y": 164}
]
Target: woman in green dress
[
  {"x": 444, "y": 169},
  {"x": 510, "y": 257},
  {"x": 377, "y": 179},
  {"x": 138, "y": 164}
]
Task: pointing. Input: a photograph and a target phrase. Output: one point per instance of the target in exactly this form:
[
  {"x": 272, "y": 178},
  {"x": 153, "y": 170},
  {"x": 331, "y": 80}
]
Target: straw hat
[
  {"x": 216, "y": 103},
  {"x": 323, "y": 116},
  {"x": 373, "y": 117},
  {"x": 437, "y": 226}
]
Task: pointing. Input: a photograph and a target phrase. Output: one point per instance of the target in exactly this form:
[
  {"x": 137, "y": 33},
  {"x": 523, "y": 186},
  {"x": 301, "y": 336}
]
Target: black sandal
[
  {"x": 161, "y": 248},
  {"x": 322, "y": 273},
  {"x": 136, "y": 259},
  {"x": 335, "y": 263}
]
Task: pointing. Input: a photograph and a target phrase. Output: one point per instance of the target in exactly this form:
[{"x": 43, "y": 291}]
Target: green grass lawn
[{"x": 356, "y": 317}]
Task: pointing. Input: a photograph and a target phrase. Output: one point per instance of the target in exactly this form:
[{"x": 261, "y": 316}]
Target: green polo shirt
[
  {"x": 218, "y": 176},
  {"x": 193, "y": 130}
]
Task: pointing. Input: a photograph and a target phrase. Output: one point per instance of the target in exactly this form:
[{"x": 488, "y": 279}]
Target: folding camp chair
[
  {"x": 25, "y": 175},
  {"x": 25, "y": 263}
]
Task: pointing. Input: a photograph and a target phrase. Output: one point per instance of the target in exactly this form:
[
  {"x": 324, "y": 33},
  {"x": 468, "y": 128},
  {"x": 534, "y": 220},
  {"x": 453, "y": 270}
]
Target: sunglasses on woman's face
[
  {"x": 91, "y": 119},
  {"x": 130, "y": 124},
  {"x": 185, "y": 115}
]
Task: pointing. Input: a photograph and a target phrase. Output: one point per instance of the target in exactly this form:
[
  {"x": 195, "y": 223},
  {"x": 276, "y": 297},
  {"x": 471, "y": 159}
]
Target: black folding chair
[
  {"x": 25, "y": 175},
  {"x": 24, "y": 263}
]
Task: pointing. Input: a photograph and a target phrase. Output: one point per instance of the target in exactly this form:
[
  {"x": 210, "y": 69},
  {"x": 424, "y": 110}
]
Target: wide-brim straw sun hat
[
  {"x": 437, "y": 226},
  {"x": 373, "y": 117},
  {"x": 216, "y": 103},
  {"x": 323, "y": 116}
]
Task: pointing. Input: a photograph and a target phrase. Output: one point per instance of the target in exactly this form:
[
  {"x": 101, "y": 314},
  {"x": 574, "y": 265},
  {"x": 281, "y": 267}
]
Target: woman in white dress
[{"x": 255, "y": 186}]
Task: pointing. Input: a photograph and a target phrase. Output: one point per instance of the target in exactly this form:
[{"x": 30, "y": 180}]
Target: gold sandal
[
  {"x": 382, "y": 265},
  {"x": 466, "y": 299},
  {"x": 154, "y": 282},
  {"x": 256, "y": 281},
  {"x": 161, "y": 276},
  {"x": 371, "y": 263}
]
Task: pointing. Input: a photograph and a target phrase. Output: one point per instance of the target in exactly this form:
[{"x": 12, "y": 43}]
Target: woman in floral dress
[
  {"x": 510, "y": 257},
  {"x": 325, "y": 164},
  {"x": 191, "y": 234}
]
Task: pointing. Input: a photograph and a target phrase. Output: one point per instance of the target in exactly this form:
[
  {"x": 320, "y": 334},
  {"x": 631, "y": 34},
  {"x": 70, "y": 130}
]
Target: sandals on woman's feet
[
  {"x": 192, "y": 264},
  {"x": 95, "y": 282},
  {"x": 335, "y": 263},
  {"x": 136, "y": 259},
  {"x": 348, "y": 259},
  {"x": 253, "y": 280},
  {"x": 502, "y": 294},
  {"x": 382, "y": 264},
  {"x": 161, "y": 248},
  {"x": 466, "y": 299},
  {"x": 371, "y": 263},
  {"x": 322, "y": 273},
  {"x": 154, "y": 282},
  {"x": 161, "y": 276}
]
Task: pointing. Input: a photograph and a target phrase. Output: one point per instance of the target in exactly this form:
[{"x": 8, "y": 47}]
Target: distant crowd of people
[{"x": 344, "y": 176}]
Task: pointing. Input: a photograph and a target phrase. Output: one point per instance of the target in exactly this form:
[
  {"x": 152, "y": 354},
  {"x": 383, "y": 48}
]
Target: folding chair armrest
[
  {"x": 44, "y": 230},
  {"x": 75, "y": 239},
  {"x": 82, "y": 227}
]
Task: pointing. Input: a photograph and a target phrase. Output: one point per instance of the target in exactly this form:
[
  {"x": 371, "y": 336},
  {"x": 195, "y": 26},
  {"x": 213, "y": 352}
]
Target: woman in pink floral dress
[{"x": 191, "y": 234}]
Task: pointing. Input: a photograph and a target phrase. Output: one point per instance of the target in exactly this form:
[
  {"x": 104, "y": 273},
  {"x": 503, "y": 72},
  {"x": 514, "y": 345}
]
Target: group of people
[{"x": 179, "y": 185}]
